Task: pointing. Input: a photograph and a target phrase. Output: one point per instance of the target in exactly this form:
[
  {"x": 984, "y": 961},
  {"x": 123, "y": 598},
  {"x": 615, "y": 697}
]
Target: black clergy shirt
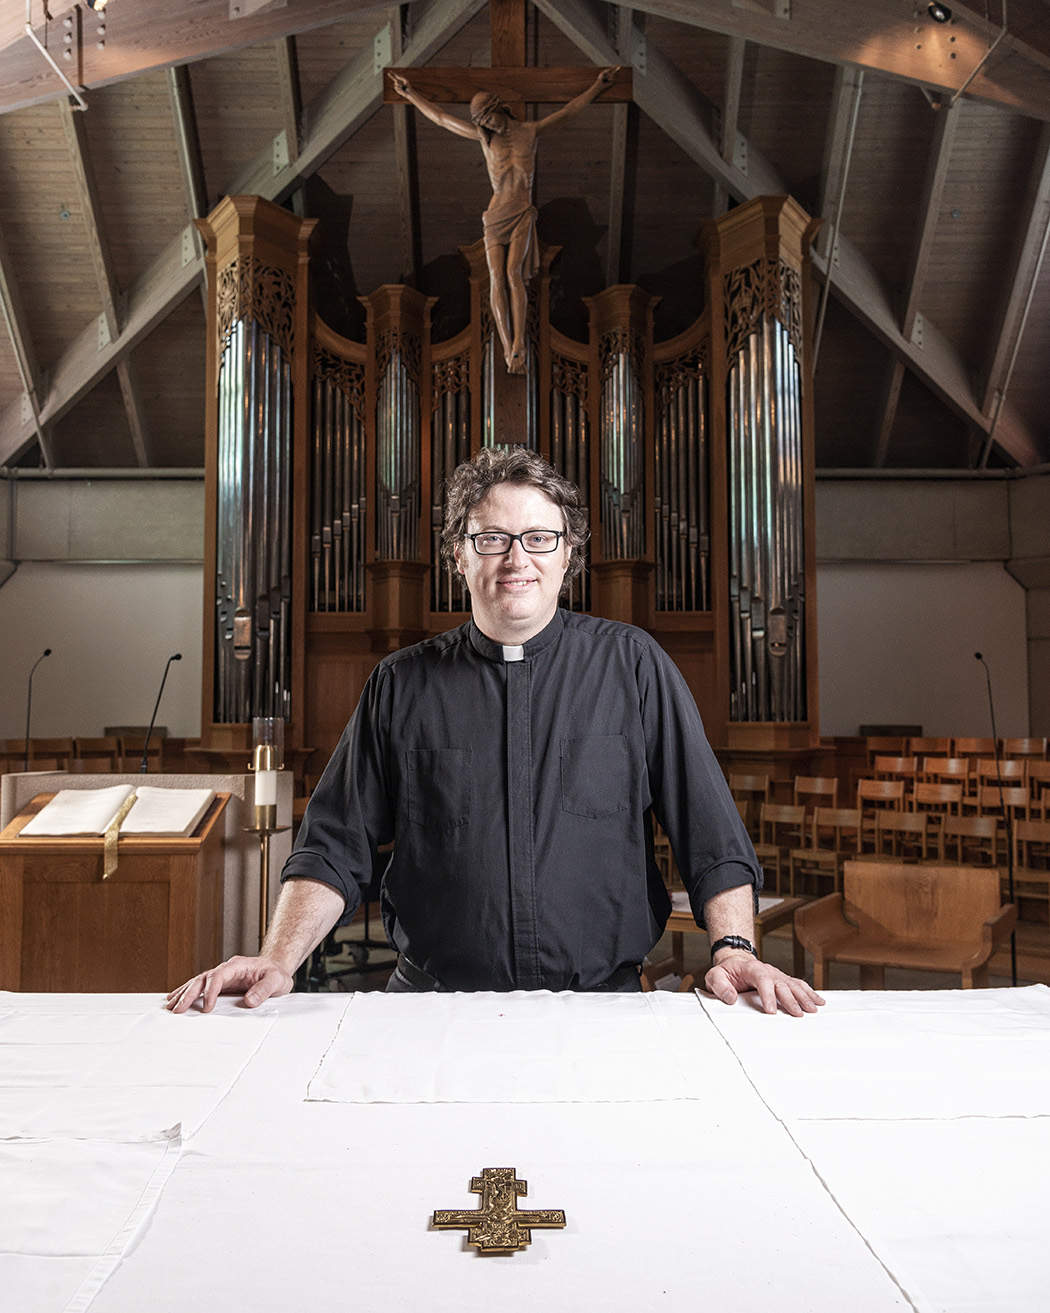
[{"x": 518, "y": 796}]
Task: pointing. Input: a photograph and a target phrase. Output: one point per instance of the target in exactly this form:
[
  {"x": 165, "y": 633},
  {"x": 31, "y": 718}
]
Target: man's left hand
[{"x": 737, "y": 973}]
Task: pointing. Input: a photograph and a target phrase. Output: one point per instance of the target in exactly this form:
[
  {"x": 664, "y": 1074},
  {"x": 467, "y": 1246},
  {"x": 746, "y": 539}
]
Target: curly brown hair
[{"x": 470, "y": 483}]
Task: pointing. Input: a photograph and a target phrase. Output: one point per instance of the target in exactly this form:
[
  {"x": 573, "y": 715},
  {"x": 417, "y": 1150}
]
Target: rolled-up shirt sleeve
[
  {"x": 691, "y": 798},
  {"x": 349, "y": 814}
]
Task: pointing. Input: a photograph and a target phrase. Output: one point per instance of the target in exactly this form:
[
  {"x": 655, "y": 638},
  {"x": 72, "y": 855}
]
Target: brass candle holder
[{"x": 267, "y": 760}]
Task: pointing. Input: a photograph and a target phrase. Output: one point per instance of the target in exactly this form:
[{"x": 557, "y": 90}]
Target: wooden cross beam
[{"x": 514, "y": 81}]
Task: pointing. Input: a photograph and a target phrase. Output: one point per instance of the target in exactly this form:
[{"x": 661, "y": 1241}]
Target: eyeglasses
[{"x": 536, "y": 541}]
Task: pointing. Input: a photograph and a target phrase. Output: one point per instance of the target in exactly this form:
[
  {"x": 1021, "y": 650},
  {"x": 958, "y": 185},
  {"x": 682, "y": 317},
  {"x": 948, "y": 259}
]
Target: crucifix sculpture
[
  {"x": 508, "y": 141},
  {"x": 498, "y": 1227}
]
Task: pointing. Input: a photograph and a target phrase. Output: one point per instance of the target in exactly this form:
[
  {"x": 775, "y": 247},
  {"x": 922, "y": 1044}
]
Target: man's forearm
[
  {"x": 730, "y": 912},
  {"x": 306, "y": 911}
]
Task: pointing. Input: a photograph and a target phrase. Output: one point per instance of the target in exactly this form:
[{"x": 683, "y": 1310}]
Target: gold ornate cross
[{"x": 497, "y": 1227}]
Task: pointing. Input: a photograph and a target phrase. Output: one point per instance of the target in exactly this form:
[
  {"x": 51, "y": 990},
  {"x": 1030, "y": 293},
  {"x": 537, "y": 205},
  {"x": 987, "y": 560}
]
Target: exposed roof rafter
[{"x": 353, "y": 97}]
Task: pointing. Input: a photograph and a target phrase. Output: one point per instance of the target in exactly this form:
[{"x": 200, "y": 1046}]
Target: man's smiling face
[{"x": 513, "y": 597}]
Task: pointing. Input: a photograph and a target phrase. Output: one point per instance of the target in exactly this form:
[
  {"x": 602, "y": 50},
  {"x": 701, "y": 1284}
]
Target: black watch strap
[{"x": 733, "y": 941}]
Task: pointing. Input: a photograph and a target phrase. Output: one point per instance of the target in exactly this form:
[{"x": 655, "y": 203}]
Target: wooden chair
[
  {"x": 934, "y": 747},
  {"x": 991, "y": 800},
  {"x": 1032, "y": 859},
  {"x": 812, "y": 791},
  {"x": 937, "y": 770},
  {"x": 975, "y": 747},
  {"x": 896, "y": 768},
  {"x": 131, "y": 749},
  {"x": 988, "y": 771},
  {"x": 884, "y": 745},
  {"x": 781, "y": 828},
  {"x": 12, "y": 756},
  {"x": 1023, "y": 748},
  {"x": 50, "y": 754},
  {"x": 902, "y": 834},
  {"x": 1038, "y": 790},
  {"x": 937, "y": 800},
  {"x": 927, "y": 918},
  {"x": 833, "y": 835},
  {"x": 969, "y": 840},
  {"x": 97, "y": 755},
  {"x": 872, "y": 795}
]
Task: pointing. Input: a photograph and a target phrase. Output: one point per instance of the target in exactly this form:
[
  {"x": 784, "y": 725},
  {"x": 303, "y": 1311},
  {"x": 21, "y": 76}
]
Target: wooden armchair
[{"x": 929, "y": 918}]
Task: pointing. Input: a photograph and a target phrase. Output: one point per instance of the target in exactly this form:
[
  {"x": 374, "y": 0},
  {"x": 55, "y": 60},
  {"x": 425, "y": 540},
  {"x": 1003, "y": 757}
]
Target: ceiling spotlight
[
  {"x": 939, "y": 13},
  {"x": 101, "y": 4}
]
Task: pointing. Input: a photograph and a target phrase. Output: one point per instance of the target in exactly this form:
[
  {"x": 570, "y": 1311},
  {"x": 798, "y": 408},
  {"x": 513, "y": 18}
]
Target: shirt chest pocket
[
  {"x": 439, "y": 787},
  {"x": 595, "y": 775}
]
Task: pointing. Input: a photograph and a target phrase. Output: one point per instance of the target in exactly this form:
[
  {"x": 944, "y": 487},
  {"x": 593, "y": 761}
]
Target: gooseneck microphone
[
  {"x": 29, "y": 699},
  {"x": 144, "y": 764},
  {"x": 1006, "y": 814}
]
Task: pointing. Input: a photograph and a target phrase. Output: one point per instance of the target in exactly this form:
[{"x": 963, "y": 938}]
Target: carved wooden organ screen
[{"x": 327, "y": 459}]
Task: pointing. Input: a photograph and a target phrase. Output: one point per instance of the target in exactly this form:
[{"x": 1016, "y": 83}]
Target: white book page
[
  {"x": 79, "y": 811},
  {"x": 166, "y": 811}
]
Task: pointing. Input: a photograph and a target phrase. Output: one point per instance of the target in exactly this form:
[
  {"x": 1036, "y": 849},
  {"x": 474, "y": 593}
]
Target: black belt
[{"x": 420, "y": 980}]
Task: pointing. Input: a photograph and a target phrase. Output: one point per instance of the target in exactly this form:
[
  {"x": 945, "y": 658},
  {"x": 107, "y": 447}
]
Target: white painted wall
[
  {"x": 896, "y": 645},
  {"x": 111, "y": 629}
]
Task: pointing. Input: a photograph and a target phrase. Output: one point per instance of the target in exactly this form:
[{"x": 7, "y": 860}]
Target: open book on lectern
[{"x": 174, "y": 812}]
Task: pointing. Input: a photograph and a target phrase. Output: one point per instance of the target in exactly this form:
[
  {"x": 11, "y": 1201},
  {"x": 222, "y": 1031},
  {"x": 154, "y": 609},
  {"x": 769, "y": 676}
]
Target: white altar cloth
[{"x": 717, "y": 1201}]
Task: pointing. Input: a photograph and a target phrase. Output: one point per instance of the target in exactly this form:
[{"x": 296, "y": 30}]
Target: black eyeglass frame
[{"x": 516, "y": 537}]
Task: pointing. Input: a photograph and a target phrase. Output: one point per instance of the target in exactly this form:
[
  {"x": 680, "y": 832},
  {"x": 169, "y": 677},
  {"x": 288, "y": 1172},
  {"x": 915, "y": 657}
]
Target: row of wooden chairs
[
  {"x": 109, "y": 753},
  {"x": 954, "y": 747},
  {"x": 1019, "y": 796},
  {"x": 971, "y": 772},
  {"x": 799, "y": 851}
]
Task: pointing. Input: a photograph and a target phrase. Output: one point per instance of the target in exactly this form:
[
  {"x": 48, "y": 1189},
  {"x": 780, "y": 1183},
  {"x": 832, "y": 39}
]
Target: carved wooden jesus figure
[{"x": 509, "y": 147}]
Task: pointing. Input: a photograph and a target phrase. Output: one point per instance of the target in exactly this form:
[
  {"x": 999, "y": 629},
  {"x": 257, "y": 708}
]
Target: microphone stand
[
  {"x": 1006, "y": 817},
  {"x": 144, "y": 764},
  {"x": 29, "y": 701}
]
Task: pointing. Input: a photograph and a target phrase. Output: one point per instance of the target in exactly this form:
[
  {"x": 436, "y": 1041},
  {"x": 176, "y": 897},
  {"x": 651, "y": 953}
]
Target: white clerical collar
[{"x": 513, "y": 653}]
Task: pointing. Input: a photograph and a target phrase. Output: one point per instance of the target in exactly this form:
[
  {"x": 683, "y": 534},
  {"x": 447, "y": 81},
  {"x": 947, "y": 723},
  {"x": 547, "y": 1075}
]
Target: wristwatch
[{"x": 733, "y": 941}]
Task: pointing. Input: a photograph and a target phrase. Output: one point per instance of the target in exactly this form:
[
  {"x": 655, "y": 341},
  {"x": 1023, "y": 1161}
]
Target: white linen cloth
[
  {"x": 520, "y": 1047},
  {"x": 282, "y": 1204},
  {"x": 908, "y": 1054},
  {"x": 97, "y": 1095}
]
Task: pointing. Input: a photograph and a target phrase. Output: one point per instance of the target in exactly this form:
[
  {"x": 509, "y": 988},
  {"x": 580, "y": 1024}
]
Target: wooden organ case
[{"x": 326, "y": 458}]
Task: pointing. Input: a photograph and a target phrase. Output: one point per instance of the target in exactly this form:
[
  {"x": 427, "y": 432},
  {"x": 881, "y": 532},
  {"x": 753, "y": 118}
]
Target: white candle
[{"x": 266, "y": 788}]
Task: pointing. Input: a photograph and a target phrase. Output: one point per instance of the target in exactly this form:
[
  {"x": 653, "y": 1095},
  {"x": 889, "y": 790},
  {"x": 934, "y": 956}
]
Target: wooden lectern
[{"x": 154, "y": 923}]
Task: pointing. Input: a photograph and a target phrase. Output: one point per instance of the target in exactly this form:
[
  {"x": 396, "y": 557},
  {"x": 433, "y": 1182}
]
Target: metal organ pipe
[
  {"x": 766, "y": 555},
  {"x": 253, "y": 570}
]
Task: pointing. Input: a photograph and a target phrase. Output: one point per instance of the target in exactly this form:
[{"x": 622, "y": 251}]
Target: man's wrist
[{"x": 731, "y": 945}]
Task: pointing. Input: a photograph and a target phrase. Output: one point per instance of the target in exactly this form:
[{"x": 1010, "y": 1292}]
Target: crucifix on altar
[{"x": 497, "y": 97}]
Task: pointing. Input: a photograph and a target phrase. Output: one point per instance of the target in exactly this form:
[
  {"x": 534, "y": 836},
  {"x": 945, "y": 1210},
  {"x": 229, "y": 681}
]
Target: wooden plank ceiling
[{"x": 924, "y": 146}]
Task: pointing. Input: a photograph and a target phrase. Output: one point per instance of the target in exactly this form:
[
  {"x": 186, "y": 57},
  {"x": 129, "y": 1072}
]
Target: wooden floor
[{"x": 1033, "y": 962}]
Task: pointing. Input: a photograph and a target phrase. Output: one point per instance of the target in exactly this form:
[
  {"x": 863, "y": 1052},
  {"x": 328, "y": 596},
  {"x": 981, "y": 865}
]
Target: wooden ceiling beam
[
  {"x": 75, "y": 131},
  {"x": 1027, "y": 261},
  {"x": 289, "y": 92},
  {"x": 618, "y": 237},
  {"x": 407, "y": 170},
  {"x": 350, "y": 100},
  {"x": 838, "y": 153},
  {"x": 887, "y": 412},
  {"x": 180, "y": 94},
  {"x": 672, "y": 102},
  {"x": 730, "y": 115},
  {"x": 944, "y": 129},
  {"x": 896, "y": 39},
  {"x": 146, "y": 35},
  {"x": 13, "y": 309}
]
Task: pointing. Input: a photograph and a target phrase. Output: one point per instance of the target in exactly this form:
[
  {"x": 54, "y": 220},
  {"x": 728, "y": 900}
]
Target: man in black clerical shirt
[{"x": 516, "y": 764}]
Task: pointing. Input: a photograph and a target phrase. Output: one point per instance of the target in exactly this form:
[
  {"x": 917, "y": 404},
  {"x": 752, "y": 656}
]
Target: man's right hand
[{"x": 257, "y": 978}]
